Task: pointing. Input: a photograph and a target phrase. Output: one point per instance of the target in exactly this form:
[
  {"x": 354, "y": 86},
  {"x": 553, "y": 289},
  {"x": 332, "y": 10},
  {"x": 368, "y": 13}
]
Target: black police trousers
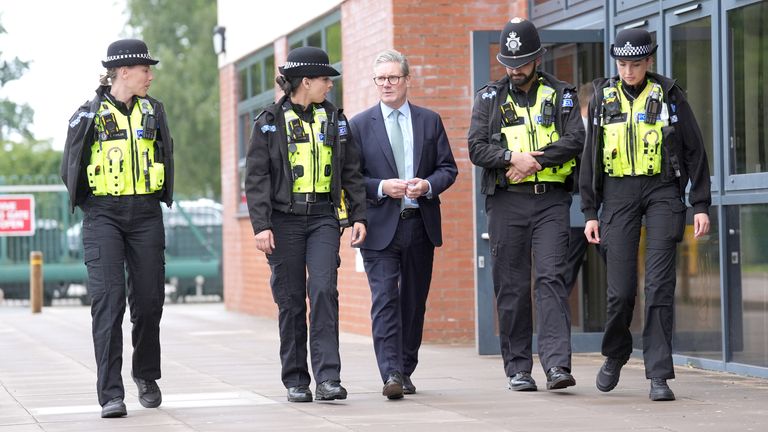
[
  {"x": 305, "y": 263},
  {"x": 124, "y": 233},
  {"x": 522, "y": 225},
  {"x": 626, "y": 201}
]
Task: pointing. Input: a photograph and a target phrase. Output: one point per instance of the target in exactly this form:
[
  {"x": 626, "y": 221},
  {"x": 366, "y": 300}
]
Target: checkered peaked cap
[
  {"x": 307, "y": 62},
  {"x": 128, "y": 52},
  {"x": 633, "y": 44}
]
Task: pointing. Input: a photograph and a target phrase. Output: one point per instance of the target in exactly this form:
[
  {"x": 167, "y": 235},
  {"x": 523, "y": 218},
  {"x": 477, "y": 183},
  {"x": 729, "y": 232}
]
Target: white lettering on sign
[{"x": 17, "y": 215}]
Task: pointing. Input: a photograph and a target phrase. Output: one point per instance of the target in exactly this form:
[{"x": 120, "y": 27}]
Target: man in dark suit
[{"x": 407, "y": 163}]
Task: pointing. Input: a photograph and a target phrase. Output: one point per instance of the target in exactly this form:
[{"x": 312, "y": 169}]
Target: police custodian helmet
[
  {"x": 519, "y": 44},
  {"x": 127, "y": 52},
  {"x": 307, "y": 62},
  {"x": 633, "y": 44}
]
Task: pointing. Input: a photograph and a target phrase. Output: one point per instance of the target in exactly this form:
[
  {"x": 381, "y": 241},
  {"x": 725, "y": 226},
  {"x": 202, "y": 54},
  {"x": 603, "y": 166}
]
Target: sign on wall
[{"x": 17, "y": 215}]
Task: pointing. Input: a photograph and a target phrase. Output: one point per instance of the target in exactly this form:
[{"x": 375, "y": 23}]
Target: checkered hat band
[
  {"x": 631, "y": 51},
  {"x": 124, "y": 56},
  {"x": 289, "y": 65}
]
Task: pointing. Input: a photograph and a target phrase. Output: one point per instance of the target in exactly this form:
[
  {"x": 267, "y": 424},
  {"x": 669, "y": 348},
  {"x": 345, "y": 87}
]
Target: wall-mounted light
[{"x": 219, "y": 40}]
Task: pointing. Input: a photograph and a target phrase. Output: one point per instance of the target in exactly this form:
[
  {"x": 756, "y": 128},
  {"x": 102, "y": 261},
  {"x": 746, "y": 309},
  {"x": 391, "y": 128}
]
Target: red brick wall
[{"x": 435, "y": 35}]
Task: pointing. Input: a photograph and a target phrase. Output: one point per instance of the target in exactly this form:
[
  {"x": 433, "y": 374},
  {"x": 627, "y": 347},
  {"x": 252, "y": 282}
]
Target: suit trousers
[
  {"x": 626, "y": 201},
  {"x": 304, "y": 264},
  {"x": 399, "y": 277},
  {"x": 119, "y": 233},
  {"x": 525, "y": 230}
]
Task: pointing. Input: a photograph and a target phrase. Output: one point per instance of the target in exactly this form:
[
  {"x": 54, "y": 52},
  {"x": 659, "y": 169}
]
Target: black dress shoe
[
  {"x": 149, "y": 393},
  {"x": 393, "y": 387},
  {"x": 408, "y": 387},
  {"x": 559, "y": 378},
  {"x": 114, "y": 408},
  {"x": 660, "y": 391},
  {"x": 608, "y": 376},
  {"x": 522, "y": 381},
  {"x": 330, "y": 390},
  {"x": 300, "y": 393}
]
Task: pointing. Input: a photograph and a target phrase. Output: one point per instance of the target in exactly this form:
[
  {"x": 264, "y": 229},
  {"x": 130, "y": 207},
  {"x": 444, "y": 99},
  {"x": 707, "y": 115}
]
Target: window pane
[
  {"x": 698, "y": 331},
  {"x": 297, "y": 44},
  {"x": 747, "y": 27},
  {"x": 243, "y": 84},
  {"x": 315, "y": 39},
  {"x": 749, "y": 292},
  {"x": 269, "y": 73},
  {"x": 691, "y": 66},
  {"x": 336, "y": 95},
  {"x": 333, "y": 42},
  {"x": 256, "y": 75}
]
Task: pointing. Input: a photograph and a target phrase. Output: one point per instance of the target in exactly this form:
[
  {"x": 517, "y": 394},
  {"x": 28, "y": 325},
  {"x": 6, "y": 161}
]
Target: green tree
[
  {"x": 29, "y": 162},
  {"x": 178, "y": 33},
  {"x": 14, "y": 118}
]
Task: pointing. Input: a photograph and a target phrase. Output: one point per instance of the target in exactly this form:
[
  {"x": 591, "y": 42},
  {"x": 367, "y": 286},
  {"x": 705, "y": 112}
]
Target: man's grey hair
[{"x": 392, "y": 56}]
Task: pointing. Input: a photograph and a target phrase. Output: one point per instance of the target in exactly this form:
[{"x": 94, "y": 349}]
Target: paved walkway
[{"x": 221, "y": 373}]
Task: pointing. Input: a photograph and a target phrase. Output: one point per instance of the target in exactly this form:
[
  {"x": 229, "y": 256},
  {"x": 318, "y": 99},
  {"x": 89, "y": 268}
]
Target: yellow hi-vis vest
[
  {"x": 123, "y": 154},
  {"x": 630, "y": 145},
  {"x": 309, "y": 157},
  {"x": 529, "y": 134}
]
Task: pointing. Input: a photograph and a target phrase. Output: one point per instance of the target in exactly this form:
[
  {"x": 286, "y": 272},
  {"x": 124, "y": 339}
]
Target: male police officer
[
  {"x": 525, "y": 133},
  {"x": 643, "y": 146},
  {"x": 118, "y": 167}
]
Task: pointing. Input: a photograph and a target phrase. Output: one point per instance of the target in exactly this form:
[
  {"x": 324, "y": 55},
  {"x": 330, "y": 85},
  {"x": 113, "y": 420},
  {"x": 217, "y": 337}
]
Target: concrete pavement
[{"x": 221, "y": 373}]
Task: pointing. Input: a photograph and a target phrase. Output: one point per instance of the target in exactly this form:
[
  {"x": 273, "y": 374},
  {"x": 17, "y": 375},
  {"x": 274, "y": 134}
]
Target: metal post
[{"x": 36, "y": 281}]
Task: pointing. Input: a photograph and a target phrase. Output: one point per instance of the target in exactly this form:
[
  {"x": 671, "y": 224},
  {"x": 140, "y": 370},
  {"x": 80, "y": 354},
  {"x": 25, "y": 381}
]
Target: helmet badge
[{"x": 513, "y": 42}]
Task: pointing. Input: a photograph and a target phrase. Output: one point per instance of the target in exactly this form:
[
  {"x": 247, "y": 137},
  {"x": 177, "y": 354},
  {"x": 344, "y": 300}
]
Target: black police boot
[
  {"x": 300, "y": 393},
  {"x": 114, "y": 408},
  {"x": 522, "y": 381},
  {"x": 660, "y": 391},
  {"x": 608, "y": 376},
  {"x": 149, "y": 393},
  {"x": 559, "y": 378},
  {"x": 330, "y": 390}
]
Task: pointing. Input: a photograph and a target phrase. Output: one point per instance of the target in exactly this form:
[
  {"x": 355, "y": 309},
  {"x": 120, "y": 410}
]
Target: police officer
[
  {"x": 118, "y": 167},
  {"x": 643, "y": 146},
  {"x": 526, "y": 133},
  {"x": 301, "y": 163}
]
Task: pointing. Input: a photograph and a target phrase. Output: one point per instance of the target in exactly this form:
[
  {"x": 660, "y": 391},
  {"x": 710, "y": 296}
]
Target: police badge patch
[{"x": 513, "y": 42}]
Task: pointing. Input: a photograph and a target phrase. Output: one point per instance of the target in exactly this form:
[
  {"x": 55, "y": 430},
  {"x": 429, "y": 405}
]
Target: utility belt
[
  {"x": 534, "y": 188},
  {"x": 311, "y": 203}
]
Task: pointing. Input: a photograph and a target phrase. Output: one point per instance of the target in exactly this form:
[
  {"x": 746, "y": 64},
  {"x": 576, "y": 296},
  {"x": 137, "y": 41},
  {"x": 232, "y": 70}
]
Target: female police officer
[
  {"x": 118, "y": 167},
  {"x": 301, "y": 158},
  {"x": 642, "y": 148}
]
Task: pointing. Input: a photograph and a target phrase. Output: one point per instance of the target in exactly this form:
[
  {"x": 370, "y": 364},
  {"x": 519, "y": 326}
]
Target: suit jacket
[{"x": 432, "y": 161}]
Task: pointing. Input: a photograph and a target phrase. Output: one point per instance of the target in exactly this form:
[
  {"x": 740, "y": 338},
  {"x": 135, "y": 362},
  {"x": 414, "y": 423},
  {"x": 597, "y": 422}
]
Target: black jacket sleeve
[
  {"x": 485, "y": 150},
  {"x": 571, "y": 130},
  {"x": 352, "y": 178},
  {"x": 258, "y": 184},
  {"x": 590, "y": 162},
  {"x": 693, "y": 155}
]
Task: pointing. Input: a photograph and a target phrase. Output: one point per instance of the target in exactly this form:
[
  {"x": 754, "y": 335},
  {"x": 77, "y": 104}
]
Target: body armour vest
[
  {"x": 309, "y": 153},
  {"x": 123, "y": 155},
  {"x": 533, "y": 128},
  {"x": 632, "y": 136}
]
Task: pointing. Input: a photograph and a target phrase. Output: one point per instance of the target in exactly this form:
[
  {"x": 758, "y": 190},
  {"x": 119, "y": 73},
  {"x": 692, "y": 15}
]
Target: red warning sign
[{"x": 17, "y": 215}]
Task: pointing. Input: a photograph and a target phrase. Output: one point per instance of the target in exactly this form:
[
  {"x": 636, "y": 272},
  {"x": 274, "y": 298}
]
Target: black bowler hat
[
  {"x": 633, "y": 44},
  {"x": 127, "y": 52},
  {"x": 307, "y": 62},
  {"x": 519, "y": 44}
]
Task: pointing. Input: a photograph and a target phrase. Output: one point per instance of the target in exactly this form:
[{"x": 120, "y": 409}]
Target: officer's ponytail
[
  {"x": 288, "y": 84},
  {"x": 108, "y": 77}
]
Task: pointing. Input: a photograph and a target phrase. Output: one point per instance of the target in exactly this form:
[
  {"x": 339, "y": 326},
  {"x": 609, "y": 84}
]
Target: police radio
[
  {"x": 653, "y": 105},
  {"x": 149, "y": 125},
  {"x": 330, "y": 128},
  {"x": 508, "y": 114},
  {"x": 547, "y": 112}
]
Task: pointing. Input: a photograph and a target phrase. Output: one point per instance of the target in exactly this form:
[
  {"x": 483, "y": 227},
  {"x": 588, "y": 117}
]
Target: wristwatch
[{"x": 507, "y": 157}]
